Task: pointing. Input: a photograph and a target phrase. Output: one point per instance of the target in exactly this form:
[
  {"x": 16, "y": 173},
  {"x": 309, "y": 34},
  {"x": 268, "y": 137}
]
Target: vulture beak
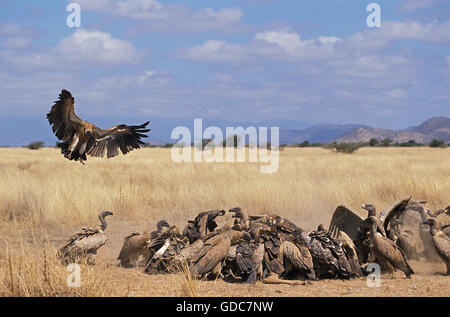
[{"x": 363, "y": 206}]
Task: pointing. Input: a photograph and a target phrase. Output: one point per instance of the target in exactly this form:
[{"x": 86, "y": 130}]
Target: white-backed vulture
[
  {"x": 135, "y": 245},
  {"x": 358, "y": 229},
  {"x": 208, "y": 260},
  {"x": 386, "y": 253},
  {"x": 404, "y": 238},
  {"x": 298, "y": 261},
  {"x": 83, "y": 245},
  {"x": 351, "y": 252},
  {"x": 204, "y": 223},
  {"x": 441, "y": 242},
  {"x": 330, "y": 260},
  {"x": 255, "y": 224},
  {"x": 429, "y": 251},
  {"x": 249, "y": 260},
  {"x": 273, "y": 256},
  {"x": 81, "y": 137},
  {"x": 163, "y": 250}
]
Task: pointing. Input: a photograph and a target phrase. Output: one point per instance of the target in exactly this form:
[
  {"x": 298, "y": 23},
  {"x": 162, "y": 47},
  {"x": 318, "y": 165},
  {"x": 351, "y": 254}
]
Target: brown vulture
[
  {"x": 386, "y": 253},
  {"x": 83, "y": 245},
  {"x": 81, "y": 137},
  {"x": 441, "y": 242},
  {"x": 358, "y": 228}
]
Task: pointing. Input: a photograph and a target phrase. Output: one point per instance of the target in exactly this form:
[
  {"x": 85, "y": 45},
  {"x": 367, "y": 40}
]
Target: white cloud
[
  {"x": 178, "y": 17},
  {"x": 396, "y": 93},
  {"x": 289, "y": 41},
  {"x": 214, "y": 51},
  {"x": 389, "y": 32},
  {"x": 83, "y": 46},
  {"x": 282, "y": 45},
  {"x": 97, "y": 47}
]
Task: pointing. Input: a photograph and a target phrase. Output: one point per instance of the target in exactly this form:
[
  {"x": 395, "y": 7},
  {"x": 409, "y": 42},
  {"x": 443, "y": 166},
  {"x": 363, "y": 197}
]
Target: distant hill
[
  {"x": 318, "y": 133},
  {"x": 434, "y": 128},
  {"x": 437, "y": 128}
]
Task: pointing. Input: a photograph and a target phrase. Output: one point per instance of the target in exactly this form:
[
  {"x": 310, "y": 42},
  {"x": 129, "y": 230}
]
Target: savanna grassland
[{"x": 44, "y": 198}]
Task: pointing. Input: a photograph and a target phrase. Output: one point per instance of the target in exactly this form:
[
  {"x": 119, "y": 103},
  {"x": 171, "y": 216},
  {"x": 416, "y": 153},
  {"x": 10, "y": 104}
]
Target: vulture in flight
[{"x": 81, "y": 137}]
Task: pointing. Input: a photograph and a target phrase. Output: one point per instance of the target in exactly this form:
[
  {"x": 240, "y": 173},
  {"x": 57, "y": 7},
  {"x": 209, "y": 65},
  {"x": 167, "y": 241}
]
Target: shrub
[
  {"x": 410, "y": 143},
  {"x": 304, "y": 144},
  {"x": 344, "y": 147},
  {"x": 374, "y": 142},
  {"x": 386, "y": 142},
  {"x": 35, "y": 145},
  {"x": 437, "y": 143}
]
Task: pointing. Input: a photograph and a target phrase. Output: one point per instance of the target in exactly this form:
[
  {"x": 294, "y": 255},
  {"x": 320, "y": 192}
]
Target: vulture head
[
  {"x": 162, "y": 224},
  {"x": 242, "y": 216},
  {"x": 102, "y": 216},
  {"x": 321, "y": 227},
  {"x": 432, "y": 223},
  {"x": 371, "y": 209},
  {"x": 301, "y": 237}
]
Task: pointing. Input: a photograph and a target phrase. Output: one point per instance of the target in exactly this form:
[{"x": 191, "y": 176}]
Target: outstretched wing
[
  {"x": 393, "y": 211},
  {"x": 123, "y": 137},
  {"x": 345, "y": 220},
  {"x": 62, "y": 117}
]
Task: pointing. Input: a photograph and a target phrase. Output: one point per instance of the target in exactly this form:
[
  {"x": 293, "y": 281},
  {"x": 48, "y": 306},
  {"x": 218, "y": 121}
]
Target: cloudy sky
[{"x": 286, "y": 62}]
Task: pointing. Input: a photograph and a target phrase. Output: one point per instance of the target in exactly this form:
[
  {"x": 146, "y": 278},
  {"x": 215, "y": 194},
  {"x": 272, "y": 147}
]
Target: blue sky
[{"x": 279, "y": 62}]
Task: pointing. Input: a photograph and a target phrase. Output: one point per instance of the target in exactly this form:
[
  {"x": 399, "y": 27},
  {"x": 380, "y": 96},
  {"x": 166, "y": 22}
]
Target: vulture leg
[{"x": 91, "y": 259}]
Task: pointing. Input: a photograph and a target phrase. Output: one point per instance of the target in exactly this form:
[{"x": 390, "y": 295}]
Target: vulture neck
[
  {"x": 423, "y": 214},
  {"x": 103, "y": 222},
  {"x": 245, "y": 223},
  {"x": 374, "y": 230}
]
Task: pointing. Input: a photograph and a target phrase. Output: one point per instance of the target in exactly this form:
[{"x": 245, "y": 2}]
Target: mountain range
[
  {"x": 434, "y": 128},
  {"x": 21, "y": 130}
]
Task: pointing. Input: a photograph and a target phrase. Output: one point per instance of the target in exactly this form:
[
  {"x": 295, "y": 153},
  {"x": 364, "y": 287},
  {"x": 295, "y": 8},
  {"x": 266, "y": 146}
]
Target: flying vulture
[{"x": 81, "y": 137}]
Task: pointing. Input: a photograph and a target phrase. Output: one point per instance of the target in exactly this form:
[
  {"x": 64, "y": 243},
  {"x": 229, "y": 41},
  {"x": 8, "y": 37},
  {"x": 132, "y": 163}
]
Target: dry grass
[{"x": 44, "y": 198}]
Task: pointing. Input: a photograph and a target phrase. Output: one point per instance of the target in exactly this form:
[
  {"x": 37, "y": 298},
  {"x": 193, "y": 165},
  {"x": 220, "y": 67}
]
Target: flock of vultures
[{"x": 273, "y": 249}]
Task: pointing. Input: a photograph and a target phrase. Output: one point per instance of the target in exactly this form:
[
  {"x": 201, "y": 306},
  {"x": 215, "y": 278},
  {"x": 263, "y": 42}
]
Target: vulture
[
  {"x": 402, "y": 236},
  {"x": 385, "y": 252},
  {"x": 429, "y": 250},
  {"x": 358, "y": 229},
  {"x": 83, "y": 245},
  {"x": 350, "y": 251},
  {"x": 213, "y": 253},
  {"x": 441, "y": 242},
  {"x": 438, "y": 212},
  {"x": 249, "y": 260},
  {"x": 135, "y": 245},
  {"x": 298, "y": 261},
  {"x": 202, "y": 224},
  {"x": 330, "y": 260},
  {"x": 81, "y": 137},
  {"x": 254, "y": 224},
  {"x": 163, "y": 249},
  {"x": 273, "y": 254}
]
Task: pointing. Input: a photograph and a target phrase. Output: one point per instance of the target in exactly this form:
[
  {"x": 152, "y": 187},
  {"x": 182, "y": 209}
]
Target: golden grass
[{"x": 44, "y": 198}]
